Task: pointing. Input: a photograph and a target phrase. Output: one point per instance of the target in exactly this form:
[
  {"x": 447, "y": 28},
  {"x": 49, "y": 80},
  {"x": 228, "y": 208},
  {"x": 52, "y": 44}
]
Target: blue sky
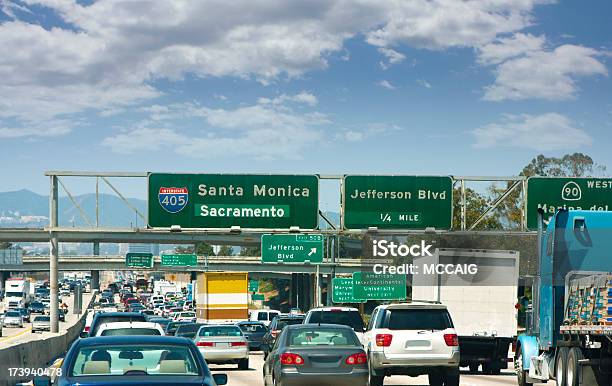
[{"x": 422, "y": 87}]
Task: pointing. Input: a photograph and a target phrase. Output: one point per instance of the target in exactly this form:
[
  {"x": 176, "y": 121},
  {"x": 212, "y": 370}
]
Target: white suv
[
  {"x": 412, "y": 339},
  {"x": 337, "y": 315}
]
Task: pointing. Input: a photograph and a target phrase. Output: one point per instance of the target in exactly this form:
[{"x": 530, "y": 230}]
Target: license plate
[{"x": 222, "y": 345}]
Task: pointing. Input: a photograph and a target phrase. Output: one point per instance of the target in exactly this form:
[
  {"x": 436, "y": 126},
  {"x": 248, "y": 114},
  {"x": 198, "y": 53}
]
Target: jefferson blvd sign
[
  {"x": 226, "y": 200},
  {"x": 292, "y": 248},
  {"x": 551, "y": 194},
  {"x": 397, "y": 202},
  {"x": 139, "y": 260}
]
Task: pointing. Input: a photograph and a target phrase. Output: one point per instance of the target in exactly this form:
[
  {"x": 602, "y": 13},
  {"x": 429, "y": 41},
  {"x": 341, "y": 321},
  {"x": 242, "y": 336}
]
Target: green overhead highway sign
[
  {"x": 253, "y": 285},
  {"x": 397, "y": 202},
  {"x": 371, "y": 286},
  {"x": 226, "y": 200},
  {"x": 179, "y": 260},
  {"x": 258, "y": 297},
  {"x": 139, "y": 260},
  {"x": 342, "y": 290},
  {"x": 551, "y": 194},
  {"x": 292, "y": 248}
]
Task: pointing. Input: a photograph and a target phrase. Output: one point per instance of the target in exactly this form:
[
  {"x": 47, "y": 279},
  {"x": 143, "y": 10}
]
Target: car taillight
[
  {"x": 87, "y": 328},
  {"x": 236, "y": 344},
  {"x": 289, "y": 359},
  {"x": 205, "y": 344},
  {"x": 451, "y": 339},
  {"x": 357, "y": 359},
  {"x": 384, "y": 340},
  {"x": 274, "y": 333}
]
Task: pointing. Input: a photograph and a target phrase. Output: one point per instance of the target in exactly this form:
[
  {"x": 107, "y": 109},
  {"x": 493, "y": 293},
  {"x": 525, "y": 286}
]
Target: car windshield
[
  {"x": 417, "y": 319},
  {"x": 41, "y": 319},
  {"x": 282, "y": 323},
  {"x": 14, "y": 294},
  {"x": 317, "y": 336},
  {"x": 130, "y": 331},
  {"x": 187, "y": 315},
  {"x": 220, "y": 331},
  {"x": 252, "y": 328},
  {"x": 346, "y": 318}
]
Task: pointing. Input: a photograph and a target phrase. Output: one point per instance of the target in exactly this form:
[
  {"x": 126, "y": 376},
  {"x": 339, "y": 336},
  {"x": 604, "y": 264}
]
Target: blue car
[{"x": 135, "y": 360}]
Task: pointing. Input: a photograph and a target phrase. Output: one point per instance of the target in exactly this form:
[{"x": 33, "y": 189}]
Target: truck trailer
[
  {"x": 222, "y": 297},
  {"x": 569, "y": 334},
  {"x": 481, "y": 304}
]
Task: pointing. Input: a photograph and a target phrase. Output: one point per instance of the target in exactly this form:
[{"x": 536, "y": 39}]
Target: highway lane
[
  {"x": 11, "y": 336},
  {"x": 254, "y": 377}
]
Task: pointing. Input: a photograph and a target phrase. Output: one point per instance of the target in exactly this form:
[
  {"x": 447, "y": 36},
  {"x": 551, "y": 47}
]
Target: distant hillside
[{"x": 24, "y": 208}]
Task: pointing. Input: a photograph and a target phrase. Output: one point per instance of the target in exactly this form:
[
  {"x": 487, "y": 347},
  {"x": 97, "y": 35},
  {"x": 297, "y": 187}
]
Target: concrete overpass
[{"x": 212, "y": 263}]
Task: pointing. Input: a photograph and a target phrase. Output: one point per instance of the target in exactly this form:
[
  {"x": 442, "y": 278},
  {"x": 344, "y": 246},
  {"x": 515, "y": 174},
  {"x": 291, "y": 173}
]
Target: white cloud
[
  {"x": 110, "y": 53},
  {"x": 303, "y": 97},
  {"x": 442, "y": 24},
  {"x": 423, "y": 83},
  {"x": 551, "y": 131},
  {"x": 270, "y": 129},
  {"x": 506, "y": 48},
  {"x": 544, "y": 74},
  {"x": 386, "y": 84},
  {"x": 393, "y": 57},
  {"x": 50, "y": 129}
]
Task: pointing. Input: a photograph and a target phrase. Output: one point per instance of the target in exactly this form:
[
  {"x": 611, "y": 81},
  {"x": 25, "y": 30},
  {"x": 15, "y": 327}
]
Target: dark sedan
[
  {"x": 316, "y": 354},
  {"x": 150, "y": 361},
  {"x": 188, "y": 330},
  {"x": 37, "y": 308},
  {"x": 276, "y": 326},
  {"x": 254, "y": 333}
]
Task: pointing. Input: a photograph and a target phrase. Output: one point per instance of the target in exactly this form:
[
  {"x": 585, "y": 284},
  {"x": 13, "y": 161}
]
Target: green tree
[
  {"x": 570, "y": 165},
  {"x": 250, "y": 251},
  {"x": 476, "y": 204},
  {"x": 225, "y": 250},
  {"x": 184, "y": 249},
  {"x": 204, "y": 249}
]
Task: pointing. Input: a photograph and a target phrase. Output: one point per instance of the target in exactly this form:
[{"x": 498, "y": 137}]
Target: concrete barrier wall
[{"x": 37, "y": 354}]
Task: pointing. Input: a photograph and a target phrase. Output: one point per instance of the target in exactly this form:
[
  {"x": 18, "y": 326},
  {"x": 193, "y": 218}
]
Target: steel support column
[{"x": 53, "y": 257}]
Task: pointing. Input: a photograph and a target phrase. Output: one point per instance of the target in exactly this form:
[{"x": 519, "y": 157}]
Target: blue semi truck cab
[{"x": 569, "y": 334}]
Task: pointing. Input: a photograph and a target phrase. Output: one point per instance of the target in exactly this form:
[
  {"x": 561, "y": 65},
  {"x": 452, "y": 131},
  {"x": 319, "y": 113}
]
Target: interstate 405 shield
[{"x": 226, "y": 200}]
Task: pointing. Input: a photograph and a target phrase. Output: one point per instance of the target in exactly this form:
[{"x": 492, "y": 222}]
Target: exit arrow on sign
[{"x": 292, "y": 248}]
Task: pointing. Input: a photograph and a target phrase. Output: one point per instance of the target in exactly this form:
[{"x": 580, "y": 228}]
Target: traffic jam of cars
[{"x": 158, "y": 339}]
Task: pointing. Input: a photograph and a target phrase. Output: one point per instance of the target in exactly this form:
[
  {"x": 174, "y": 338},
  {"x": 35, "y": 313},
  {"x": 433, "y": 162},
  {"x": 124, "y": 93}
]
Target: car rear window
[
  {"x": 220, "y": 331},
  {"x": 317, "y": 336},
  {"x": 130, "y": 331},
  {"x": 418, "y": 319},
  {"x": 345, "y": 318},
  {"x": 142, "y": 360},
  {"x": 42, "y": 319},
  {"x": 253, "y": 328},
  {"x": 282, "y": 323},
  {"x": 116, "y": 318}
]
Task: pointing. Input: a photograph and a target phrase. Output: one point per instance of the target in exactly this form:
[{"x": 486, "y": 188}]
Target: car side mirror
[
  {"x": 83, "y": 334},
  {"x": 42, "y": 381},
  {"x": 220, "y": 379}
]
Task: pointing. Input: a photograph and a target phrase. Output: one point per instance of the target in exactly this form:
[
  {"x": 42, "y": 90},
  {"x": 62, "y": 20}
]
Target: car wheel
[
  {"x": 561, "y": 367},
  {"x": 243, "y": 364},
  {"x": 435, "y": 379},
  {"x": 521, "y": 374},
  {"x": 573, "y": 366},
  {"x": 474, "y": 368},
  {"x": 374, "y": 379},
  {"x": 451, "y": 378}
]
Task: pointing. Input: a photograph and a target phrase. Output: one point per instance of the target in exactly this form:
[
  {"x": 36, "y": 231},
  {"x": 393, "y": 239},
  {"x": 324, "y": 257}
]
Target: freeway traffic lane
[
  {"x": 11, "y": 336},
  {"x": 254, "y": 376}
]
